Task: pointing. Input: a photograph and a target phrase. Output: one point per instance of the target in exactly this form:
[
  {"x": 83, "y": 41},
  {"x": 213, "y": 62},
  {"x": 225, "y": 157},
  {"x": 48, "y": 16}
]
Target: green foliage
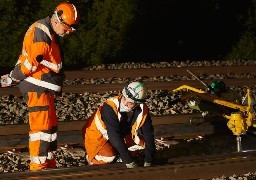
[
  {"x": 245, "y": 49},
  {"x": 101, "y": 33},
  {"x": 107, "y": 29},
  {"x": 16, "y": 17}
]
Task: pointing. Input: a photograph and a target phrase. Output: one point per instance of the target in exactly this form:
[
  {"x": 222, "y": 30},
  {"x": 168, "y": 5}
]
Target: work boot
[{"x": 37, "y": 167}]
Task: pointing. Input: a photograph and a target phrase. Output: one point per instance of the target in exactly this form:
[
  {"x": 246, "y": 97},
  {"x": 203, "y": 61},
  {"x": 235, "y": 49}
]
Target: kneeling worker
[{"x": 121, "y": 126}]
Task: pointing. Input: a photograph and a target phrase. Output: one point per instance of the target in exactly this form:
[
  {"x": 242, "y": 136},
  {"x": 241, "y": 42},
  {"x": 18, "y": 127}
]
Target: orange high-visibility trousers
[
  {"x": 107, "y": 153},
  {"x": 43, "y": 130}
]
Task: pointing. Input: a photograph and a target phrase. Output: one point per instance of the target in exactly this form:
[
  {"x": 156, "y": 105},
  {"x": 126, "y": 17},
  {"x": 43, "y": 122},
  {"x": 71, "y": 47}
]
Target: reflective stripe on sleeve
[
  {"x": 18, "y": 62},
  {"x": 43, "y": 84},
  {"x": 135, "y": 148},
  {"x": 29, "y": 66},
  {"x": 50, "y": 65}
]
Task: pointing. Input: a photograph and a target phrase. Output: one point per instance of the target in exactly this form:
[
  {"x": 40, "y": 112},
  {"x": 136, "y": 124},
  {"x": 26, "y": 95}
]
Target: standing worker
[
  {"x": 39, "y": 75},
  {"x": 121, "y": 126}
]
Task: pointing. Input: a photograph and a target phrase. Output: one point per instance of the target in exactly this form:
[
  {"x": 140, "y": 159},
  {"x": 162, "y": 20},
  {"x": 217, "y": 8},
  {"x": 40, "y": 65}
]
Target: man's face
[
  {"x": 127, "y": 103},
  {"x": 59, "y": 29}
]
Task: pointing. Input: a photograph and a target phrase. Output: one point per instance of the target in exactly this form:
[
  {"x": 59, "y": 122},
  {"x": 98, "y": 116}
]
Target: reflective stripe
[
  {"x": 44, "y": 62},
  {"x": 38, "y": 159},
  {"x": 138, "y": 121},
  {"x": 18, "y": 62},
  {"x": 43, "y": 136},
  {"x": 75, "y": 11},
  {"x": 50, "y": 65},
  {"x": 24, "y": 53},
  {"x": 29, "y": 66},
  {"x": 44, "y": 28},
  {"x": 43, "y": 84},
  {"x": 135, "y": 148},
  {"x": 116, "y": 102},
  {"x": 54, "y": 137},
  {"x": 100, "y": 127},
  {"x": 107, "y": 159}
]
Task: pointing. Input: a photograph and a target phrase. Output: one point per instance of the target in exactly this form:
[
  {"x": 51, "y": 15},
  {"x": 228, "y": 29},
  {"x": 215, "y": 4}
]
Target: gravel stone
[{"x": 71, "y": 106}]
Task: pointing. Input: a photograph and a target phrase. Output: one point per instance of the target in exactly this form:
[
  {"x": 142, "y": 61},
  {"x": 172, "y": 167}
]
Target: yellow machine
[{"x": 241, "y": 116}]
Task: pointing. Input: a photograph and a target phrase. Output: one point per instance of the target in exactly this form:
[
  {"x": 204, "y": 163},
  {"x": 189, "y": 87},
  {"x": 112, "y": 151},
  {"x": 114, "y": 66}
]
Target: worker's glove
[
  {"x": 192, "y": 103},
  {"x": 146, "y": 164},
  {"x": 132, "y": 165},
  {"x": 6, "y": 80}
]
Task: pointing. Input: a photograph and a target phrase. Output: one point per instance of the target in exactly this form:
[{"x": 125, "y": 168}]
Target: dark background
[
  {"x": 113, "y": 31},
  {"x": 182, "y": 29}
]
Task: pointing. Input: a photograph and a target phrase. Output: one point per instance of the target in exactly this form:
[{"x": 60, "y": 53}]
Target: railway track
[
  {"x": 204, "y": 167},
  {"x": 189, "y": 167},
  {"x": 16, "y": 136},
  {"x": 135, "y": 73}
]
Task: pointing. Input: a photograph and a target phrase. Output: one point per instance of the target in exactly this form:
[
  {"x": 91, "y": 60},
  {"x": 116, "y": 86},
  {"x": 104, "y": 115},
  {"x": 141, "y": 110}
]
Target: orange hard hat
[{"x": 68, "y": 15}]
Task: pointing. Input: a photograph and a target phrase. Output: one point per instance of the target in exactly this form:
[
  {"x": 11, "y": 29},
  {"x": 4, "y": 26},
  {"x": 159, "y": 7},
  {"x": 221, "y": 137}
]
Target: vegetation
[
  {"x": 101, "y": 34},
  {"x": 113, "y": 31}
]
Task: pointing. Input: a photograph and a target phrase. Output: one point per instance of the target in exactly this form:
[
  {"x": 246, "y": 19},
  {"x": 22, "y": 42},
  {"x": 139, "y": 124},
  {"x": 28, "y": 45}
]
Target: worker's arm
[
  {"x": 28, "y": 66},
  {"x": 113, "y": 129},
  {"x": 148, "y": 134}
]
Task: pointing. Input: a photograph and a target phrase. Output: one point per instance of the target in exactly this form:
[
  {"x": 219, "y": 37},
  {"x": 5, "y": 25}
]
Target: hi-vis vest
[
  {"x": 96, "y": 133},
  {"x": 39, "y": 41}
]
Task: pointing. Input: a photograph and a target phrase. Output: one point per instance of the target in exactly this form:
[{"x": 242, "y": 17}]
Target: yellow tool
[{"x": 242, "y": 115}]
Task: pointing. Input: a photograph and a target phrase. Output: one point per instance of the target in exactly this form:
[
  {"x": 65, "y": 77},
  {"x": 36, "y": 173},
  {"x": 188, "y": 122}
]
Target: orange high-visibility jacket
[
  {"x": 96, "y": 133},
  {"x": 40, "y": 63}
]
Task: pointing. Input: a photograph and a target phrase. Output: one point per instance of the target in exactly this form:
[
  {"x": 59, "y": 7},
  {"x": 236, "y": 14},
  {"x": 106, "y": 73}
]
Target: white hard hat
[{"x": 136, "y": 92}]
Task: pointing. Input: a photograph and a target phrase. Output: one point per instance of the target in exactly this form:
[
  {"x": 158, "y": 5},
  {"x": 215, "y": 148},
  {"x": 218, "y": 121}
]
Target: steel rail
[
  {"x": 150, "y": 72},
  {"x": 16, "y": 136},
  {"x": 199, "y": 167},
  {"x": 195, "y": 168},
  {"x": 102, "y": 88}
]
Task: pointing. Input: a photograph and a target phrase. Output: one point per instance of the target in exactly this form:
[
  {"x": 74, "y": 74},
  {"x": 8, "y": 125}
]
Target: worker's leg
[
  {"x": 43, "y": 130},
  {"x": 105, "y": 155}
]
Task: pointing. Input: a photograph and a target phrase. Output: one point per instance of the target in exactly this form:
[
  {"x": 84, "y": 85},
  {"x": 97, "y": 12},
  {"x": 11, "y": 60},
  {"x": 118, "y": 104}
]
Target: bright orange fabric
[
  {"x": 94, "y": 140},
  {"x": 31, "y": 50},
  {"x": 106, "y": 150},
  {"x": 40, "y": 121},
  {"x": 40, "y": 55}
]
